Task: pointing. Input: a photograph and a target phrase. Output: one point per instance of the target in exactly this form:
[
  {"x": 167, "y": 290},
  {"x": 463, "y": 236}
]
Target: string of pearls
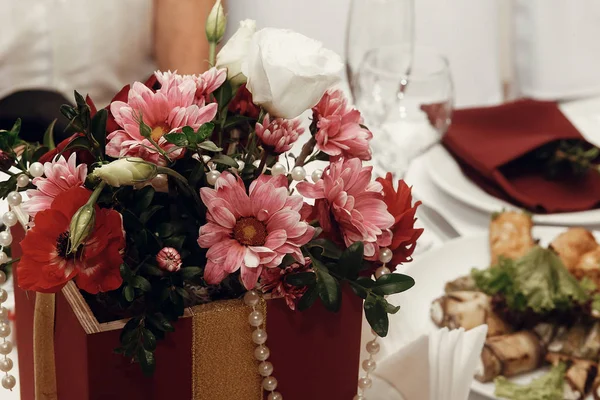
[
  {"x": 369, "y": 365},
  {"x": 298, "y": 173},
  {"x": 262, "y": 352},
  {"x": 10, "y": 219}
]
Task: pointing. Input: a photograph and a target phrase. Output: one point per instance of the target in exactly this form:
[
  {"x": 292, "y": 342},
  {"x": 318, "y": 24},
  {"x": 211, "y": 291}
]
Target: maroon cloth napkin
[{"x": 491, "y": 143}]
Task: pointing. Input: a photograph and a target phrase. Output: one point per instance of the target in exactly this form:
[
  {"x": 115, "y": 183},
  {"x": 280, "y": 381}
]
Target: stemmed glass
[
  {"x": 406, "y": 96},
  {"x": 374, "y": 23}
]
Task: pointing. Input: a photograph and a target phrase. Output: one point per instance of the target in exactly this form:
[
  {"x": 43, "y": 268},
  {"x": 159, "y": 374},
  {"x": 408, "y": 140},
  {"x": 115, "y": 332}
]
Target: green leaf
[
  {"x": 129, "y": 293},
  {"x": 80, "y": 142},
  {"x": 40, "y": 151},
  {"x": 188, "y": 131},
  {"x": 224, "y": 94},
  {"x": 183, "y": 293},
  {"x": 68, "y": 111},
  {"x": 98, "y": 129},
  {"x": 390, "y": 308},
  {"x": 8, "y": 186},
  {"x": 147, "y": 361},
  {"x": 139, "y": 282},
  {"x": 308, "y": 299},
  {"x": 178, "y": 139},
  {"x": 225, "y": 160},
  {"x": 328, "y": 248},
  {"x": 351, "y": 260},
  {"x": 322, "y": 156},
  {"x": 148, "y": 339},
  {"x": 197, "y": 175},
  {"x": 160, "y": 322},
  {"x": 359, "y": 290},
  {"x": 143, "y": 198},
  {"x": 210, "y": 146},
  {"x": 188, "y": 273},
  {"x": 129, "y": 330},
  {"x": 49, "y": 136},
  {"x": 145, "y": 216},
  {"x": 175, "y": 241},
  {"x": 376, "y": 315},
  {"x": 236, "y": 120},
  {"x": 392, "y": 283},
  {"x": 152, "y": 270},
  {"x": 126, "y": 273},
  {"x": 205, "y": 131},
  {"x": 165, "y": 230},
  {"x": 328, "y": 288},
  {"x": 301, "y": 279}
]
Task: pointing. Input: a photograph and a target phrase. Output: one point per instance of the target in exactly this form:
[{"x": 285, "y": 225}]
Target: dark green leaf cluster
[{"x": 333, "y": 267}]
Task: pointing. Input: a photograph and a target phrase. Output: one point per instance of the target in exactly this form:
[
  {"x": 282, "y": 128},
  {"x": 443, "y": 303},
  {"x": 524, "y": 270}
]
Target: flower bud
[
  {"x": 169, "y": 259},
  {"x": 215, "y": 23},
  {"x": 81, "y": 226},
  {"x": 126, "y": 172}
]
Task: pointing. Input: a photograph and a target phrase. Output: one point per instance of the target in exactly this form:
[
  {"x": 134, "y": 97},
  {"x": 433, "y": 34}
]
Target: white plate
[
  {"x": 447, "y": 175},
  {"x": 431, "y": 271}
]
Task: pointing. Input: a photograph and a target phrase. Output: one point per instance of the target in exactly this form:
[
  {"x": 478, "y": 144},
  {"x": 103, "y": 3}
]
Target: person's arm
[{"x": 179, "y": 35}]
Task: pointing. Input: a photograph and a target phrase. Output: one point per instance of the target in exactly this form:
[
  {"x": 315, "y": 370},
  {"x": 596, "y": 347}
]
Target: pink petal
[{"x": 250, "y": 277}]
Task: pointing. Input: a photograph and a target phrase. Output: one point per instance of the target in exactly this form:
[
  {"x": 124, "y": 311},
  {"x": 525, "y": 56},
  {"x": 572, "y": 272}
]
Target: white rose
[
  {"x": 234, "y": 52},
  {"x": 288, "y": 73},
  {"x": 126, "y": 172}
]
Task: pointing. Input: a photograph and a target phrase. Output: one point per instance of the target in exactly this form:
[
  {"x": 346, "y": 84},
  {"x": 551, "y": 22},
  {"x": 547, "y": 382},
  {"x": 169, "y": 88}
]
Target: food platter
[{"x": 431, "y": 272}]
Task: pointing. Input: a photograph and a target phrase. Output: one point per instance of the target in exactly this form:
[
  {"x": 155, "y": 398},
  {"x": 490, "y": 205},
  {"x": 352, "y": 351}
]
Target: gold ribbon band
[{"x": 223, "y": 363}]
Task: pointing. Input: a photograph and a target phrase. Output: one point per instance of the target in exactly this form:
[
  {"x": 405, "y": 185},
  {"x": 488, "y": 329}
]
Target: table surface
[{"x": 584, "y": 114}]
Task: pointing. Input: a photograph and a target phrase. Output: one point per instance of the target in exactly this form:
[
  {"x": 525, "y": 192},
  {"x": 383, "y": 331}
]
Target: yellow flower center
[
  {"x": 250, "y": 232},
  {"x": 158, "y": 132}
]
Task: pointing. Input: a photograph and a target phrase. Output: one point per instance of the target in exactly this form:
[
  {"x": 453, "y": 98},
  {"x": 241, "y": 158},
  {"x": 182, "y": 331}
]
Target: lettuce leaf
[
  {"x": 538, "y": 281},
  {"x": 547, "y": 387}
]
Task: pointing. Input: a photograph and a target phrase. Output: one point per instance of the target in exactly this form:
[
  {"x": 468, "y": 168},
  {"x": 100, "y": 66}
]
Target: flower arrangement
[{"x": 184, "y": 190}]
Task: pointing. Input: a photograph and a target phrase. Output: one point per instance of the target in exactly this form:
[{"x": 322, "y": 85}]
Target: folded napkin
[
  {"x": 490, "y": 143},
  {"x": 438, "y": 366}
]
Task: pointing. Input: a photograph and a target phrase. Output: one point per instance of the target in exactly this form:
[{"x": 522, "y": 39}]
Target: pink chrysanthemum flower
[
  {"x": 349, "y": 203},
  {"x": 165, "y": 111},
  {"x": 272, "y": 280},
  {"x": 169, "y": 259},
  {"x": 60, "y": 175},
  {"x": 278, "y": 135},
  {"x": 206, "y": 83},
  {"x": 252, "y": 230},
  {"x": 339, "y": 128}
]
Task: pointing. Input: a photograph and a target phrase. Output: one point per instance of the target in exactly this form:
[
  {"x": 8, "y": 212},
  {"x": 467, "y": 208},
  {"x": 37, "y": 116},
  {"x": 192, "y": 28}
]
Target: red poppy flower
[
  {"x": 45, "y": 265},
  {"x": 399, "y": 203},
  {"x": 242, "y": 103}
]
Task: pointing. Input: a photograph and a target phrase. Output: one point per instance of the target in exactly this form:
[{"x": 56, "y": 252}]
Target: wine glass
[
  {"x": 374, "y": 23},
  {"x": 406, "y": 96}
]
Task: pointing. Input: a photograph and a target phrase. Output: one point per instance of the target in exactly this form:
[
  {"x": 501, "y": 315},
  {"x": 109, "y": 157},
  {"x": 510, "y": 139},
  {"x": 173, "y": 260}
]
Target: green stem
[
  {"x": 94, "y": 197},
  {"x": 263, "y": 162},
  {"x": 11, "y": 262},
  {"x": 212, "y": 53},
  {"x": 184, "y": 182},
  {"x": 251, "y": 140},
  {"x": 173, "y": 173},
  {"x": 159, "y": 149},
  {"x": 307, "y": 149}
]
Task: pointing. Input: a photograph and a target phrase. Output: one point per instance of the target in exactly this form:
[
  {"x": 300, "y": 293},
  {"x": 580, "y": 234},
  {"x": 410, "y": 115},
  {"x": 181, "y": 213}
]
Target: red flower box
[{"x": 315, "y": 352}]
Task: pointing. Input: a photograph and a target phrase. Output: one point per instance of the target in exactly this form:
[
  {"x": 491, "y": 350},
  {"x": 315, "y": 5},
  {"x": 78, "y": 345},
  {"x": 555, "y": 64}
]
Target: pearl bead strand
[
  {"x": 10, "y": 219},
  {"x": 262, "y": 352},
  {"x": 369, "y": 365},
  {"x": 6, "y": 364}
]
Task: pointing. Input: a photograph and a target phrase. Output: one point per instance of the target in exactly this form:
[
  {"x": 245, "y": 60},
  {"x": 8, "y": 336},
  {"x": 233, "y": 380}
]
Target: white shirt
[{"x": 92, "y": 46}]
